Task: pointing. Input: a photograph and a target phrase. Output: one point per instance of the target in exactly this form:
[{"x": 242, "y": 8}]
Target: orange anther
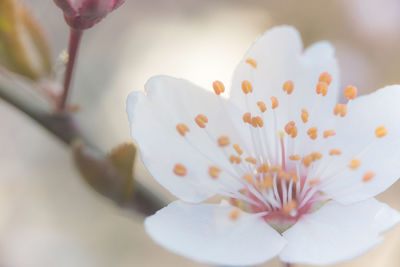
[
  {"x": 234, "y": 215},
  {"x": 340, "y": 109},
  {"x": 322, "y": 88},
  {"x": 180, "y": 170},
  {"x": 251, "y": 62},
  {"x": 201, "y": 120},
  {"x": 289, "y": 127},
  {"x": 262, "y": 106},
  {"x": 182, "y": 129},
  {"x": 304, "y": 115},
  {"x": 329, "y": 133},
  {"x": 368, "y": 176},
  {"x": 238, "y": 149},
  {"x": 312, "y": 133},
  {"x": 235, "y": 159},
  {"x": 314, "y": 182},
  {"x": 316, "y": 156},
  {"x": 381, "y": 131},
  {"x": 251, "y": 160},
  {"x": 290, "y": 206},
  {"x": 294, "y": 132},
  {"x": 263, "y": 168},
  {"x": 350, "y": 92},
  {"x": 218, "y": 87},
  {"x": 247, "y": 117},
  {"x": 223, "y": 141},
  {"x": 354, "y": 164},
  {"x": 214, "y": 172},
  {"x": 259, "y": 121},
  {"x": 294, "y": 157},
  {"x": 284, "y": 175},
  {"x": 307, "y": 160},
  {"x": 274, "y": 102},
  {"x": 325, "y": 77},
  {"x": 293, "y": 175},
  {"x": 335, "y": 152},
  {"x": 288, "y": 87},
  {"x": 266, "y": 183},
  {"x": 248, "y": 178},
  {"x": 247, "y": 87},
  {"x": 275, "y": 168}
]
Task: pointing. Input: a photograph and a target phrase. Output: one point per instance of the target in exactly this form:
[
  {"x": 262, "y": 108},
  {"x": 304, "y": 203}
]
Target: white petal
[
  {"x": 205, "y": 233},
  {"x": 354, "y": 134},
  {"x": 153, "y": 117},
  {"x": 337, "y": 232},
  {"x": 280, "y": 57}
]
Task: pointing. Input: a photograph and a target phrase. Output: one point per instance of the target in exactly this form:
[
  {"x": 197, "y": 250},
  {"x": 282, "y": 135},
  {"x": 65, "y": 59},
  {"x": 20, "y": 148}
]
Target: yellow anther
[
  {"x": 275, "y": 168},
  {"x": 350, "y": 92},
  {"x": 294, "y": 157},
  {"x": 340, "y": 109},
  {"x": 381, "y": 131},
  {"x": 354, "y": 164},
  {"x": 290, "y": 206},
  {"x": 288, "y": 87},
  {"x": 304, "y": 115},
  {"x": 281, "y": 134},
  {"x": 223, "y": 141},
  {"x": 325, "y": 77},
  {"x": 368, "y": 176},
  {"x": 316, "y": 156},
  {"x": 238, "y": 149},
  {"x": 234, "y": 215},
  {"x": 180, "y": 170},
  {"x": 251, "y": 160},
  {"x": 329, "y": 133},
  {"x": 201, "y": 120},
  {"x": 247, "y": 117},
  {"x": 335, "y": 152},
  {"x": 235, "y": 159},
  {"x": 218, "y": 87},
  {"x": 263, "y": 168},
  {"x": 251, "y": 62},
  {"x": 274, "y": 102},
  {"x": 314, "y": 182},
  {"x": 214, "y": 171},
  {"x": 312, "y": 133},
  {"x": 182, "y": 129},
  {"x": 248, "y": 178},
  {"x": 293, "y": 176},
  {"x": 262, "y": 106},
  {"x": 322, "y": 88},
  {"x": 266, "y": 183},
  {"x": 307, "y": 160},
  {"x": 247, "y": 87}
]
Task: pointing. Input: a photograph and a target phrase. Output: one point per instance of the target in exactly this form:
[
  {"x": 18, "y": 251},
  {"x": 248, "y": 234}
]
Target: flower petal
[
  {"x": 355, "y": 137},
  {"x": 206, "y": 233},
  {"x": 336, "y": 232},
  {"x": 154, "y": 116}
]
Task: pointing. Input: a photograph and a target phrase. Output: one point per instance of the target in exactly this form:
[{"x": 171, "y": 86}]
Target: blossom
[
  {"x": 83, "y": 14},
  {"x": 298, "y": 170}
]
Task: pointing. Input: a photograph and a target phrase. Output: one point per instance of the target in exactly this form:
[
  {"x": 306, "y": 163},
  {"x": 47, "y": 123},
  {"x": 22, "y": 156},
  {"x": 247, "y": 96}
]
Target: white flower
[{"x": 300, "y": 171}]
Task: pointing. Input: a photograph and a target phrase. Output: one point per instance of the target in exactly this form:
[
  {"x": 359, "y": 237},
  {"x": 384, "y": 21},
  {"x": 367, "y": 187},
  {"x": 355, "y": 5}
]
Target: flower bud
[{"x": 83, "y": 14}]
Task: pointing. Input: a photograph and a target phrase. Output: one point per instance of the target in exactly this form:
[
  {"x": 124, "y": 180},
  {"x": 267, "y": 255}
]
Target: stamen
[
  {"x": 251, "y": 62},
  {"x": 251, "y": 160},
  {"x": 368, "y": 176},
  {"x": 304, "y": 115},
  {"x": 314, "y": 182},
  {"x": 322, "y": 88},
  {"x": 290, "y": 207},
  {"x": 340, "y": 109},
  {"x": 201, "y": 120},
  {"x": 325, "y": 77},
  {"x": 291, "y": 129},
  {"x": 381, "y": 131},
  {"x": 307, "y": 160},
  {"x": 262, "y": 106},
  {"x": 248, "y": 178},
  {"x": 214, "y": 172},
  {"x": 275, "y": 102},
  {"x": 238, "y": 149},
  {"x": 234, "y": 215},
  {"x": 350, "y": 92},
  {"x": 180, "y": 170},
  {"x": 257, "y": 122},
  {"x": 334, "y": 152},
  {"x": 218, "y": 87},
  {"x": 329, "y": 133},
  {"x": 316, "y": 156},
  {"x": 354, "y": 164},
  {"x": 312, "y": 133},
  {"x": 294, "y": 157},
  {"x": 263, "y": 168},
  {"x": 275, "y": 168},
  {"x": 235, "y": 159},
  {"x": 182, "y": 129},
  {"x": 247, "y": 117},
  {"x": 223, "y": 141},
  {"x": 288, "y": 87},
  {"x": 247, "y": 87},
  {"x": 266, "y": 183},
  {"x": 293, "y": 175}
]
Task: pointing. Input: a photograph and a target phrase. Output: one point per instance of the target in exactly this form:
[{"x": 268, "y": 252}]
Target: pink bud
[{"x": 83, "y": 14}]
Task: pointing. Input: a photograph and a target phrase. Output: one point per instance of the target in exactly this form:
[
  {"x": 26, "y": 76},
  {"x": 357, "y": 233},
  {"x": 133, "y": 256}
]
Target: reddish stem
[{"x": 73, "y": 47}]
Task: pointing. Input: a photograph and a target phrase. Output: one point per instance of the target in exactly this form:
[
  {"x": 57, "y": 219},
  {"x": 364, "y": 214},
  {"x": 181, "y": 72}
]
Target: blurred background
[{"x": 50, "y": 217}]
